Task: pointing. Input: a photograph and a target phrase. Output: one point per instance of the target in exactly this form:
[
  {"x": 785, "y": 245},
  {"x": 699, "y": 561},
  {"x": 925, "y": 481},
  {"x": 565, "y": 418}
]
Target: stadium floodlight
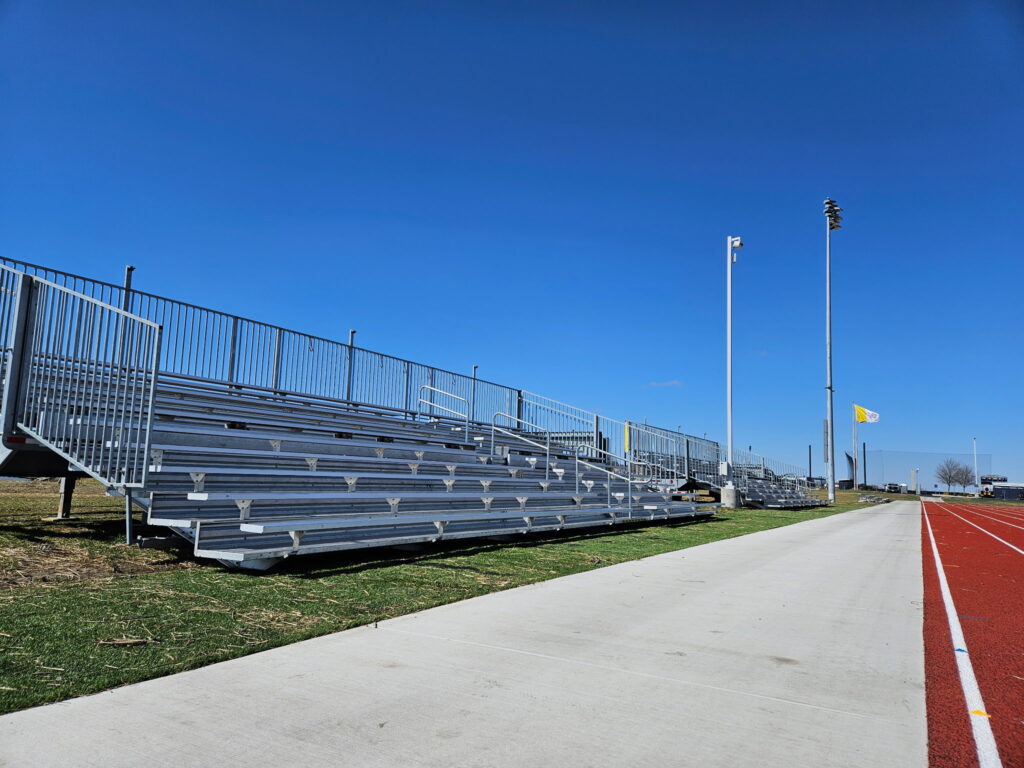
[
  {"x": 729, "y": 496},
  {"x": 832, "y": 212},
  {"x": 832, "y": 219}
]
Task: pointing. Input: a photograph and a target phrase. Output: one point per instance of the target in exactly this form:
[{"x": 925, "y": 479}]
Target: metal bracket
[
  {"x": 244, "y": 505},
  {"x": 413, "y": 467},
  {"x": 198, "y": 480},
  {"x": 393, "y": 501},
  {"x": 351, "y": 483},
  {"x": 311, "y": 462},
  {"x": 275, "y": 445}
]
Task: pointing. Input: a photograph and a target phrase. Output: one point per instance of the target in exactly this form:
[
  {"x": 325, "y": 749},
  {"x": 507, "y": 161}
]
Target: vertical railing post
[
  {"x": 276, "y": 376},
  {"x": 472, "y": 395},
  {"x": 126, "y": 297},
  {"x": 351, "y": 363},
  {"x": 519, "y": 405},
  {"x": 406, "y": 374},
  {"x": 686, "y": 457},
  {"x": 128, "y": 516},
  {"x": 629, "y": 487},
  {"x": 21, "y": 320},
  {"x": 126, "y": 303},
  {"x": 597, "y": 436},
  {"x": 232, "y": 349}
]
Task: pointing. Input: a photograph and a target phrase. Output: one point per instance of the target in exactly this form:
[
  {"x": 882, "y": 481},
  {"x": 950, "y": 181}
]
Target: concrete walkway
[{"x": 799, "y": 646}]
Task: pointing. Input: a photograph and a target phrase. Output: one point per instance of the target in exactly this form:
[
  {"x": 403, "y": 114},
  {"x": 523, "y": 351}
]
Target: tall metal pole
[
  {"x": 730, "y": 497},
  {"x": 977, "y": 480},
  {"x": 832, "y": 219},
  {"x": 864, "y": 469},
  {"x": 830, "y": 450},
  {"x": 728, "y": 361}
]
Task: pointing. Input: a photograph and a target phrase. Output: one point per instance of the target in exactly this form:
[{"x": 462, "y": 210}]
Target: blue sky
[{"x": 544, "y": 189}]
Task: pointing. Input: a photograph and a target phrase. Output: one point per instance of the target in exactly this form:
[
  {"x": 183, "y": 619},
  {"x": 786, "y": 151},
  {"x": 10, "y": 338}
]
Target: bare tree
[
  {"x": 948, "y": 473},
  {"x": 965, "y": 477}
]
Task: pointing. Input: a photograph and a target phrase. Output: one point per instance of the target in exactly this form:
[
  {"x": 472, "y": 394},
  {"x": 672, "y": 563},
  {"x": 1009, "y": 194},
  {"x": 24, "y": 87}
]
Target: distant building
[{"x": 1008, "y": 491}]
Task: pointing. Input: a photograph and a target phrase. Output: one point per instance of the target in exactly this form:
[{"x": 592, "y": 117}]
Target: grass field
[
  {"x": 995, "y": 502},
  {"x": 80, "y": 612}
]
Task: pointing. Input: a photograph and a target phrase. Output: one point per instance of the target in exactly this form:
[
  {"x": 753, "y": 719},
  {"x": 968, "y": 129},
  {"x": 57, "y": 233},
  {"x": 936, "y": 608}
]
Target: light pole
[
  {"x": 729, "y": 495},
  {"x": 832, "y": 219}
]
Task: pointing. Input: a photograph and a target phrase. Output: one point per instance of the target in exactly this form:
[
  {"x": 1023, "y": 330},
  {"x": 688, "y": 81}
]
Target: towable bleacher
[
  {"x": 772, "y": 495},
  {"x": 256, "y": 443}
]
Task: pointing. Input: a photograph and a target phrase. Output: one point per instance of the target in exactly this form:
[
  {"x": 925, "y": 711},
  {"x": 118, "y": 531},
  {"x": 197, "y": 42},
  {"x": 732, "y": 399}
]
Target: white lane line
[
  {"x": 1016, "y": 513},
  {"x": 988, "y": 533},
  {"x": 994, "y": 519},
  {"x": 984, "y": 740}
]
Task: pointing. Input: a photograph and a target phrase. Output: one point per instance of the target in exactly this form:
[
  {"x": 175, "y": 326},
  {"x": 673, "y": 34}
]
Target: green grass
[
  {"x": 984, "y": 500},
  {"x": 69, "y": 592}
]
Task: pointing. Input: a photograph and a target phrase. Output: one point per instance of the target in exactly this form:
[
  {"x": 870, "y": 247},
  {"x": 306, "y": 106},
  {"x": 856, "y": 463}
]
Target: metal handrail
[
  {"x": 81, "y": 378},
  {"x": 432, "y": 404},
  {"x": 516, "y": 435}
]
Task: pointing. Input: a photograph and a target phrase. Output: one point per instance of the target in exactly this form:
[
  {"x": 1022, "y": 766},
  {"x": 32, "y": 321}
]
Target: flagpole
[{"x": 853, "y": 409}]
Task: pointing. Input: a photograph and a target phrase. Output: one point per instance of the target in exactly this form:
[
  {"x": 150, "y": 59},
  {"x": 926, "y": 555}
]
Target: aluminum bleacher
[
  {"x": 776, "y": 495},
  {"x": 257, "y": 443}
]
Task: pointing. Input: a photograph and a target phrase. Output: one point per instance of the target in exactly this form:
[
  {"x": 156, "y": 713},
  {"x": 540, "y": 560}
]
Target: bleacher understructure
[{"x": 255, "y": 443}]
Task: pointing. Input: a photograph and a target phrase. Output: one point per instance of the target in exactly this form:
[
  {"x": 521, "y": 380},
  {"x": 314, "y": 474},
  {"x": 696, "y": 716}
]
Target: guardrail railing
[
  {"x": 219, "y": 347},
  {"x": 81, "y": 377},
  {"x": 429, "y": 402}
]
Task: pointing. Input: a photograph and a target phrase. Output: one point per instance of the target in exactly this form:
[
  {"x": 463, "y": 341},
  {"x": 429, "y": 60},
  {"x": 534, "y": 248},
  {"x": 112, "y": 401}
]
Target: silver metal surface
[{"x": 86, "y": 378}]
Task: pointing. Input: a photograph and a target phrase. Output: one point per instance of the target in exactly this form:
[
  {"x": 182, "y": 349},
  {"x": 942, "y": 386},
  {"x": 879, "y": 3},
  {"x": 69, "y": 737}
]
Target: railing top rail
[
  {"x": 518, "y": 421},
  {"x": 516, "y": 435},
  {"x": 584, "y": 415},
  {"x": 271, "y": 326},
  {"x": 82, "y": 296},
  {"x": 442, "y": 407},
  {"x": 622, "y": 459},
  {"x": 599, "y": 468},
  {"x": 440, "y": 392}
]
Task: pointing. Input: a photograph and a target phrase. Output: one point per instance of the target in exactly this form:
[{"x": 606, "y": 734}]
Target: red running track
[{"x": 981, "y": 548}]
